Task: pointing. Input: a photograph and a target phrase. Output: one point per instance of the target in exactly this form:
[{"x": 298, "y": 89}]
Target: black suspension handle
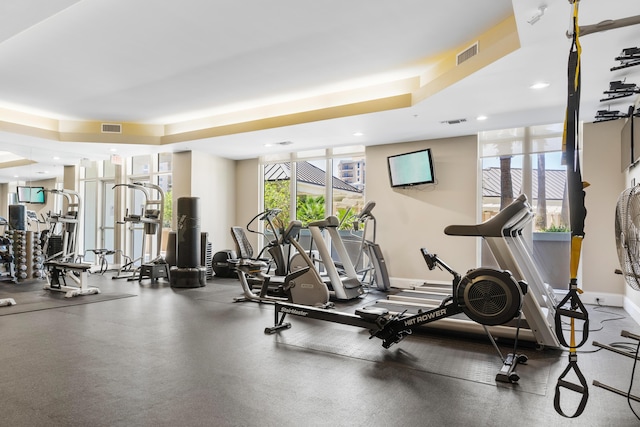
[
  {"x": 577, "y": 311},
  {"x": 580, "y": 388}
]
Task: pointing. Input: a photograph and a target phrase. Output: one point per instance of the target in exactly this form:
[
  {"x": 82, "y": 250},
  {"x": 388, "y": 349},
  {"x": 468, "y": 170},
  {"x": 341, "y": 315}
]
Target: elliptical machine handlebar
[
  {"x": 266, "y": 215},
  {"x": 366, "y": 211},
  {"x": 269, "y": 214}
]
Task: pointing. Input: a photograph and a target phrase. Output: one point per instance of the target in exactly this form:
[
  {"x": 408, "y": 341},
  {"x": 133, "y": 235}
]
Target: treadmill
[{"x": 503, "y": 235}]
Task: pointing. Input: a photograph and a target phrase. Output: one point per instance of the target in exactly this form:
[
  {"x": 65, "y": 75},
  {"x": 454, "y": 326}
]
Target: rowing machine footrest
[{"x": 371, "y": 313}]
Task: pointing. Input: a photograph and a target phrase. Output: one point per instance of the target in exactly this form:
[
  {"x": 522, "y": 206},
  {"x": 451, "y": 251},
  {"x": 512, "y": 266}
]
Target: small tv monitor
[
  {"x": 35, "y": 195},
  {"x": 410, "y": 169}
]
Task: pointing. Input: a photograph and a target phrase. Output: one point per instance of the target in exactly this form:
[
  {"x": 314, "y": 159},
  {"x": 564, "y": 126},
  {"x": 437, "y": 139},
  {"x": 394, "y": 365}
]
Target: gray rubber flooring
[{"x": 192, "y": 357}]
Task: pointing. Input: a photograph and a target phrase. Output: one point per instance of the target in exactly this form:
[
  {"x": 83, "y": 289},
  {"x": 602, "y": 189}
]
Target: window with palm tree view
[
  {"x": 330, "y": 185},
  {"x": 529, "y": 161}
]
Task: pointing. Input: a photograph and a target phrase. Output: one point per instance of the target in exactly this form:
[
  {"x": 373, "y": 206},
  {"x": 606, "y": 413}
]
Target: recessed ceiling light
[
  {"x": 481, "y": 117},
  {"x": 358, "y": 134},
  {"x": 268, "y": 144},
  {"x": 539, "y": 85},
  {"x": 113, "y": 150}
]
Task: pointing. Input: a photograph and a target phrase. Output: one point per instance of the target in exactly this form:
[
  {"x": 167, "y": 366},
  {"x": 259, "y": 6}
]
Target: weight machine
[
  {"x": 62, "y": 250},
  {"x": 152, "y": 219},
  {"x": 62, "y": 239}
]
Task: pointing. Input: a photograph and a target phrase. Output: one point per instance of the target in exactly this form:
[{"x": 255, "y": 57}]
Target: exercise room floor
[{"x": 157, "y": 356}]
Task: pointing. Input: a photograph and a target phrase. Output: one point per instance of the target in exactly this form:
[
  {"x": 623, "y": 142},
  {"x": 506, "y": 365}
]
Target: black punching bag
[
  {"x": 17, "y": 217},
  {"x": 188, "y": 273},
  {"x": 188, "y": 235}
]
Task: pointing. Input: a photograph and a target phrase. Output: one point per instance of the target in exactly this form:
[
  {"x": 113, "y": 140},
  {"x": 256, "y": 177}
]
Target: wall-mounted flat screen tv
[
  {"x": 34, "y": 195},
  {"x": 413, "y": 168}
]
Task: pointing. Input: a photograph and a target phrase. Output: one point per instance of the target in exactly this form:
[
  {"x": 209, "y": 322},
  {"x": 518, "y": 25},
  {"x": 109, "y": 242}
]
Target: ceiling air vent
[
  {"x": 111, "y": 128},
  {"x": 454, "y": 122},
  {"x": 468, "y": 53}
]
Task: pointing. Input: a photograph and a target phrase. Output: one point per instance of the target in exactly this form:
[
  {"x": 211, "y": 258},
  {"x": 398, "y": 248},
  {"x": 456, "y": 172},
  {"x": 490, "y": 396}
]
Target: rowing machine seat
[{"x": 371, "y": 313}]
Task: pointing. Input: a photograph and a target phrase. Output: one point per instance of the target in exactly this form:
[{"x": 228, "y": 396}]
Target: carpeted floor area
[{"x": 31, "y": 296}]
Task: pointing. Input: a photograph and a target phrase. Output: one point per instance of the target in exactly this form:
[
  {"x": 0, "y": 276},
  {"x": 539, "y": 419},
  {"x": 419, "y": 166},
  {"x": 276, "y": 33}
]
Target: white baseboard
[
  {"x": 602, "y": 298},
  {"x": 633, "y": 310}
]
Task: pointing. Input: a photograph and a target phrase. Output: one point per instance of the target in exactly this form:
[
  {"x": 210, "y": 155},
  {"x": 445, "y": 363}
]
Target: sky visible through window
[{"x": 553, "y": 162}]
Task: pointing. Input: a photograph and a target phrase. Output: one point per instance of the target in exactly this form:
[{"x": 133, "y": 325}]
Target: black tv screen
[
  {"x": 409, "y": 169},
  {"x": 34, "y": 195}
]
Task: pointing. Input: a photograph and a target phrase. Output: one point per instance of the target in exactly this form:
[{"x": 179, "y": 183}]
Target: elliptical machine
[
  {"x": 274, "y": 247},
  {"x": 345, "y": 286},
  {"x": 303, "y": 286},
  {"x": 376, "y": 268}
]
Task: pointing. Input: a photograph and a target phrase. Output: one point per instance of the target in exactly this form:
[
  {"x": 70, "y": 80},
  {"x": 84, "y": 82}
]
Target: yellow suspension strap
[{"x": 571, "y": 307}]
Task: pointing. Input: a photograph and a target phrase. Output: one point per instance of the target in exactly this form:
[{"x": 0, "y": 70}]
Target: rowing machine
[{"x": 487, "y": 296}]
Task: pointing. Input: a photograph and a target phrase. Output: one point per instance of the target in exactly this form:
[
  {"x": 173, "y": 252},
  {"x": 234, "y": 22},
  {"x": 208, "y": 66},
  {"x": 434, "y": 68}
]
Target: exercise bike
[
  {"x": 303, "y": 286},
  {"x": 487, "y": 296}
]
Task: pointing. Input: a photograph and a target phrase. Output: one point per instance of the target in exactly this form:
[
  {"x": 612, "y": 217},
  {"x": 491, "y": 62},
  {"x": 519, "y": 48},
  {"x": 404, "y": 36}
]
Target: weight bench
[{"x": 58, "y": 272}]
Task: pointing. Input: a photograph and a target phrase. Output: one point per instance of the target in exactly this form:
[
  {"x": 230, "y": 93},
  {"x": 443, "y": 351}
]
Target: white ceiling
[{"x": 161, "y": 62}]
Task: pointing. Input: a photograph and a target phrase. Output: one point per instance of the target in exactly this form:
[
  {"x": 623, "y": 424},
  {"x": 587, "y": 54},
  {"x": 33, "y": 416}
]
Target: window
[
  {"x": 97, "y": 194},
  {"x": 164, "y": 162},
  {"x": 525, "y": 161},
  {"x": 101, "y": 200},
  {"x": 323, "y": 186},
  {"x": 328, "y": 182},
  {"x": 276, "y": 188},
  {"x": 528, "y": 161},
  {"x": 311, "y": 190},
  {"x": 140, "y": 165}
]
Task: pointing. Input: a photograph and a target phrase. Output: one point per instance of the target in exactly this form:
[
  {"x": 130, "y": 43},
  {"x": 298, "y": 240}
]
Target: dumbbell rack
[
  {"x": 7, "y": 271},
  {"x": 28, "y": 257}
]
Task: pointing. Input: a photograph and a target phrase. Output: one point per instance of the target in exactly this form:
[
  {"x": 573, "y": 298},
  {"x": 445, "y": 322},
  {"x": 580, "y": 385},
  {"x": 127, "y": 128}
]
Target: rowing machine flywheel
[{"x": 490, "y": 297}]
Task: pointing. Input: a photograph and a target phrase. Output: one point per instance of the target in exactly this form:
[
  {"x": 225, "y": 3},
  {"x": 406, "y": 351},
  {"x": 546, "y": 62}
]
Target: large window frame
[
  {"x": 334, "y": 196},
  {"x": 102, "y": 176},
  {"x": 517, "y": 156}
]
